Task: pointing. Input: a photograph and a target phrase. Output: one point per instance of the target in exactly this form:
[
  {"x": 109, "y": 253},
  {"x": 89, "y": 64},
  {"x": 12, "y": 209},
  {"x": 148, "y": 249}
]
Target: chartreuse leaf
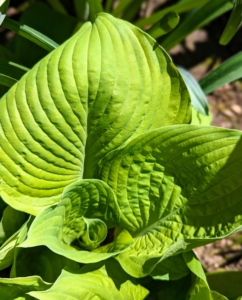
[
  {"x": 17, "y": 288},
  {"x": 228, "y": 71},
  {"x": 198, "y": 98},
  {"x": 92, "y": 285},
  {"x": 233, "y": 23},
  {"x": 195, "y": 20},
  {"x": 42, "y": 262},
  {"x": 178, "y": 187},
  {"x": 7, "y": 249},
  {"x": 227, "y": 283},
  {"x": 199, "y": 119},
  {"x": 63, "y": 229},
  {"x": 86, "y": 98}
]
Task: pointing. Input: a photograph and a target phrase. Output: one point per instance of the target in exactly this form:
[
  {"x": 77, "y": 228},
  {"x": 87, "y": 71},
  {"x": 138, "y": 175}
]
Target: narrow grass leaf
[
  {"x": 58, "y": 6},
  {"x": 179, "y": 8},
  {"x": 233, "y": 24},
  {"x": 10, "y": 72},
  {"x": 122, "y": 5},
  {"x": 165, "y": 25},
  {"x": 4, "y": 6},
  {"x": 82, "y": 9},
  {"x": 195, "y": 20},
  {"x": 95, "y": 7},
  {"x": 198, "y": 98},
  {"x": 30, "y": 34},
  {"x": 228, "y": 71}
]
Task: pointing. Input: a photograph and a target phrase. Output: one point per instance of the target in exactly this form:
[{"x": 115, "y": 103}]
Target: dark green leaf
[
  {"x": 130, "y": 12},
  {"x": 233, "y": 23},
  {"x": 10, "y": 72},
  {"x": 4, "y": 6},
  {"x": 58, "y": 6},
  {"x": 227, "y": 283},
  {"x": 179, "y": 8},
  {"x": 30, "y": 34},
  {"x": 95, "y": 8},
  {"x": 165, "y": 25},
  {"x": 82, "y": 9},
  {"x": 56, "y": 26},
  {"x": 195, "y": 20},
  {"x": 228, "y": 71}
]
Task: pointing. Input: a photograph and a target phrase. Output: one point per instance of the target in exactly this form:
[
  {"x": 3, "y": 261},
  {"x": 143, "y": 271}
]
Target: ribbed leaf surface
[
  {"x": 178, "y": 187},
  {"x": 92, "y": 285},
  {"x": 101, "y": 88}
]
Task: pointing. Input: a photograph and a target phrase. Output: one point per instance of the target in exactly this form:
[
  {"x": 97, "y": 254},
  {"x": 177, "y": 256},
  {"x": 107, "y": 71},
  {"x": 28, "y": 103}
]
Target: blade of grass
[
  {"x": 58, "y": 6},
  {"x": 131, "y": 11},
  {"x": 179, "y": 8},
  {"x": 10, "y": 72},
  {"x": 108, "y": 6},
  {"x": 165, "y": 25},
  {"x": 233, "y": 23},
  {"x": 82, "y": 9},
  {"x": 4, "y": 6},
  {"x": 30, "y": 34},
  {"x": 95, "y": 7},
  {"x": 228, "y": 71},
  {"x": 122, "y": 5},
  {"x": 195, "y": 20},
  {"x": 198, "y": 98}
]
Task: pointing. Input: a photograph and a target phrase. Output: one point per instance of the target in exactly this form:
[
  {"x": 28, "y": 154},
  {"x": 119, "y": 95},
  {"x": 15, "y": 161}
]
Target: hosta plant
[{"x": 106, "y": 182}]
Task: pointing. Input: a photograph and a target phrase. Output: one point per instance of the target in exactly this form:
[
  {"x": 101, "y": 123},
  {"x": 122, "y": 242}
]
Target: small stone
[{"x": 236, "y": 109}]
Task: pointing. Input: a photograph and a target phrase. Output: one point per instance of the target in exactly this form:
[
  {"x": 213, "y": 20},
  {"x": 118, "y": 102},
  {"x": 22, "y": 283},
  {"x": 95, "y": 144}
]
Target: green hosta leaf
[
  {"x": 95, "y": 233},
  {"x": 228, "y": 71},
  {"x": 86, "y": 98},
  {"x": 174, "y": 267},
  {"x": 92, "y": 285},
  {"x": 199, "y": 119},
  {"x": 227, "y": 283},
  {"x": 42, "y": 262},
  {"x": 63, "y": 229},
  {"x": 194, "y": 265},
  {"x": 178, "y": 187},
  {"x": 11, "y": 221},
  {"x": 8, "y": 248},
  {"x": 16, "y": 288},
  {"x": 170, "y": 290},
  {"x": 198, "y": 98}
]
